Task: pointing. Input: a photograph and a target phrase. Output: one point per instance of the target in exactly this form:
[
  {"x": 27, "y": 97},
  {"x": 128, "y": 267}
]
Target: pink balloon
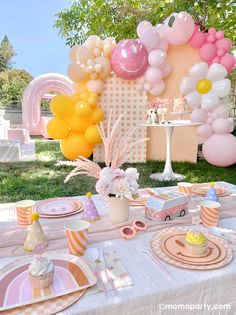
[
  {"x": 224, "y": 43},
  {"x": 221, "y": 126},
  {"x": 212, "y": 31},
  {"x": 204, "y": 131},
  {"x": 228, "y": 61},
  {"x": 180, "y": 28},
  {"x": 211, "y": 39},
  {"x": 219, "y": 35},
  {"x": 216, "y": 60},
  {"x": 207, "y": 52},
  {"x": 156, "y": 58},
  {"x": 220, "y": 150},
  {"x": 221, "y": 111},
  {"x": 201, "y": 140},
  {"x": 153, "y": 75},
  {"x": 150, "y": 39},
  {"x": 198, "y": 115},
  {"x": 220, "y": 52},
  {"x": 166, "y": 70},
  {"x": 163, "y": 45},
  {"x": 129, "y": 59},
  {"x": 143, "y": 27},
  {"x": 209, "y": 121},
  {"x": 158, "y": 88},
  {"x": 198, "y": 38}
]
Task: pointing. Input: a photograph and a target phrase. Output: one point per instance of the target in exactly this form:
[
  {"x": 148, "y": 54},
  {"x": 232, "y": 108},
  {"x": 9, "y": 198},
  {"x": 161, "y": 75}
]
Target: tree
[
  {"x": 119, "y": 18},
  {"x": 6, "y": 54},
  {"x": 12, "y": 84}
]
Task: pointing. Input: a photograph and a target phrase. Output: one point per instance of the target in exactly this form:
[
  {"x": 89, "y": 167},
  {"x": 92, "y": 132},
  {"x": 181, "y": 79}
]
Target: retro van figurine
[{"x": 166, "y": 206}]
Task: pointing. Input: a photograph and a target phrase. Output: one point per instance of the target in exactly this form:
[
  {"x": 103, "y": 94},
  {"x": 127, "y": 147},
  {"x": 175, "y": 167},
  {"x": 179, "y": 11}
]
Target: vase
[{"x": 118, "y": 210}]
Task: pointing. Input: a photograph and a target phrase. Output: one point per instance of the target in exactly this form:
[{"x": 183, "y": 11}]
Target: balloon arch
[{"x": 145, "y": 60}]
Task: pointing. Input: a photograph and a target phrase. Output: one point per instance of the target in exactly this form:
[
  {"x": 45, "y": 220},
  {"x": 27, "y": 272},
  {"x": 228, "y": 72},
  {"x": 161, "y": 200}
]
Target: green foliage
[
  {"x": 41, "y": 179},
  {"x": 12, "y": 84},
  {"x": 6, "y": 54},
  {"x": 119, "y": 18}
]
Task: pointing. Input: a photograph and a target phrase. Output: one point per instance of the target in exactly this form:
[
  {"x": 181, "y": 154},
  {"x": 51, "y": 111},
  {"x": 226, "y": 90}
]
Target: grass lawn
[{"x": 41, "y": 179}]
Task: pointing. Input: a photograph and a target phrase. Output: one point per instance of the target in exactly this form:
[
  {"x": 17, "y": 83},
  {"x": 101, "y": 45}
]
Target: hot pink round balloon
[
  {"x": 211, "y": 31},
  {"x": 207, "y": 52},
  {"x": 198, "y": 39},
  {"x": 224, "y": 43},
  {"x": 198, "y": 115},
  {"x": 221, "y": 52},
  {"x": 221, "y": 126},
  {"x": 180, "y": 28},
  {"x": 228, "y": 61},
  {"x": 143, "y": 27},
  {"x": 216, "y": 60},
  {"x": 204, "y": 131},
  {"x": 219, "y": 35},
  {"x": 129, "y": 59},
  {"x": 211, "y": 39},
  {"x": 220, "y": 150}
]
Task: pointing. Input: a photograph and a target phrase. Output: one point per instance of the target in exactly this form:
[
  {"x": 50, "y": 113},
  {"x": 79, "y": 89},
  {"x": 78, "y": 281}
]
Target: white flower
[
  {"x": 118, "y": 173},
  {"x": 103, "y": 186},
  {"x": 205, "y": 85},
  {"x": 132, "y": 174}
]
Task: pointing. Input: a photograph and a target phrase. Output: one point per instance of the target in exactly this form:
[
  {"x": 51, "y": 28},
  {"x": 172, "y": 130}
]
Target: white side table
[{"x": 169, "y": 126}]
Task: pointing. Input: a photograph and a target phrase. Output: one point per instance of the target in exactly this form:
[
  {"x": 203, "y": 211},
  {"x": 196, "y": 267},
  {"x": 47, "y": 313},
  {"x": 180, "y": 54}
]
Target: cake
[
  {"x": 41, "y": 272},
  {"x": 196, "y": 243}
]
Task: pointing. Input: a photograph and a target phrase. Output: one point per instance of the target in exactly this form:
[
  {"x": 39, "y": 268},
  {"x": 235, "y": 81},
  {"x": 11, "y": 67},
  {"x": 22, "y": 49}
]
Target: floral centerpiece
[{"x": 114, "y": 184}]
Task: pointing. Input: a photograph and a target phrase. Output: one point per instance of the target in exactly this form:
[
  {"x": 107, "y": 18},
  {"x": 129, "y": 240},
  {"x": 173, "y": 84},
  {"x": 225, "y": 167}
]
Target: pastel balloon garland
[{"x": 145, "y": 60}]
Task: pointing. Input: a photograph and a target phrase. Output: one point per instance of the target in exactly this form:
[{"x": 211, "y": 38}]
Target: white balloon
[
  {"x": 199, "y": 71},
  {"x": 158, "y": 88},
  {"x": 222, "y": 87},
  {"x": 187, "y": 85},
  {"x": 156, "y": 58},
  {"x": 209, "y": 101},
  {"x": 216, "y": 72},
  {"x": 193, "y": 99}
]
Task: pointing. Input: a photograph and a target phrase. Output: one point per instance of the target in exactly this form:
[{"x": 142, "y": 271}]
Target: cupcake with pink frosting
[{"x": 41, "y": 272}]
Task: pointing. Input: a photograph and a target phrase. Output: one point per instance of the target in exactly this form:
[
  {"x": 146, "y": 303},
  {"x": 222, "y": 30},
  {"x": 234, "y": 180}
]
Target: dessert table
[
  {"x": 152, "y": 291},
  {"x": 169, "y": 126}
]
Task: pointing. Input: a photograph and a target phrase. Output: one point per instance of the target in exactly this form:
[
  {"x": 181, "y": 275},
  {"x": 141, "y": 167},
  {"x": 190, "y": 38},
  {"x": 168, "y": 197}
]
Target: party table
[
  {"x": 152, "y": 291},
  {"x": 169, "y": 126}
]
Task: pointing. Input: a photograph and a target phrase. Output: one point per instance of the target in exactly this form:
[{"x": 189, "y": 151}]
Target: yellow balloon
[
  {"x": 95, "y": 95},
  {"x": 62, "y": 106},
  {"x": 83, "y": 109},
  {"x": 75, "y": 98},
  {"x": 92, "y": 101},
  {"x": 204, "y": 86},
  {"x": 92, "y": 135},
  {"x": 84, "y": 96},
  {"x": 75, "y": 145},
  {"x": 97, "y": 115},
  {"x": 79, "y": 124},
  {"x": 80, "y": 87},
  {"x": 58, "y": 128}
]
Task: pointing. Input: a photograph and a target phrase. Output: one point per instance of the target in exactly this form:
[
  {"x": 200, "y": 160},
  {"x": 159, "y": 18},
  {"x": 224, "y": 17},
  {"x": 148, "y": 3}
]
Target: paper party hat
[
  {"x": 90, "y": 212},
  {"x": 211, "y": 194},
  {"x": 35, "y": 235}
]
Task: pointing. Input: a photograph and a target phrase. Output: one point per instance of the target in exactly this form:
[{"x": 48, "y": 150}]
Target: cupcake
[
  {"x": 41, "y": 272},
  {"x": 196, "y": 243}
]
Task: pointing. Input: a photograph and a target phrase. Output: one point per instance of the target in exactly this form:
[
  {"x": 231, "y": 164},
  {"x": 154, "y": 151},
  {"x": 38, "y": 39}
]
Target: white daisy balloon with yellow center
[{"x": 205, "y": 85}]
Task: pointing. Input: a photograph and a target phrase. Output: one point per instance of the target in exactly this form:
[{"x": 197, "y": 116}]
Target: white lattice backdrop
[{"x": 121, "y": 95}]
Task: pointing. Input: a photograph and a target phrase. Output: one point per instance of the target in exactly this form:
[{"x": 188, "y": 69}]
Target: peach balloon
[
  {"x": 95, "y": 86},
  {"x": 72, "y": 53},
  {"x": 76, "y": 72},
  {"x": 75, "y": 145},
  {"x": 80, "y": 87}
]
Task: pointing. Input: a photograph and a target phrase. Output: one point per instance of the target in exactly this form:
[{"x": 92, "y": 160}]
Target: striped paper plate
[{"x": 71, "y": 274}]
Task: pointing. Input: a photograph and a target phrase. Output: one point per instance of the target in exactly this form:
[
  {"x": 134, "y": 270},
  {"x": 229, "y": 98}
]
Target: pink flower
[
  {"x": 118, "y": 173},
  {"x": 103, "y": 186},
  {"x": 132, "y": 174}
]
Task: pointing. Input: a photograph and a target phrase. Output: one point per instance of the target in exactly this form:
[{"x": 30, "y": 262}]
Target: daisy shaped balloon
[{"x": 205, "y": 85}]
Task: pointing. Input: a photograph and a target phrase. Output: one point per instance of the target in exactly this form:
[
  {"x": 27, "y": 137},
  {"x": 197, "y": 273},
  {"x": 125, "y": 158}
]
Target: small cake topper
[{"x": 90, "y": 212}]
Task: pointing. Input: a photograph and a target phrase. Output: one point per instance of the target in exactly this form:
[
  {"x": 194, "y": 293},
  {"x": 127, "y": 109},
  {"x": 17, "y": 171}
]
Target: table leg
[{"x": 168, "y": 173}]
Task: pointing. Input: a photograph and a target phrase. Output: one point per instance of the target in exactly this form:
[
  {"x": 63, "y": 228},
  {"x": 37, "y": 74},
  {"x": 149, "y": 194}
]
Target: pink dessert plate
[
  {"x": 57, "y": 207},
  {"x": 202, "y": 189},
  {"x": 72, "y": 274},
  {"x": 49, "y": 307},
  {"x": 168, "y": 244}
]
